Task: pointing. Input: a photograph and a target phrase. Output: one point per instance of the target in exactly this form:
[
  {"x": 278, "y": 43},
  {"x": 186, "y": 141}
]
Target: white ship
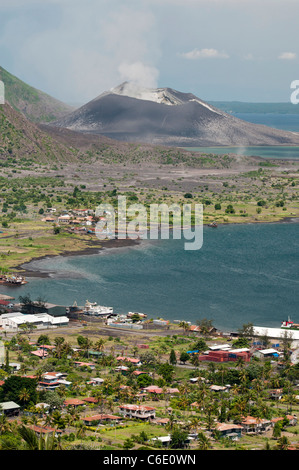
[{"x": 92, "y": 308}]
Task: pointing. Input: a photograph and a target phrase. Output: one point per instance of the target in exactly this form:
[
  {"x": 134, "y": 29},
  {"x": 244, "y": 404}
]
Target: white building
[
  {"x": 12, "y": 321},
  {"x": 278, "y": 333},
  {"x": 266, "y": 353}
]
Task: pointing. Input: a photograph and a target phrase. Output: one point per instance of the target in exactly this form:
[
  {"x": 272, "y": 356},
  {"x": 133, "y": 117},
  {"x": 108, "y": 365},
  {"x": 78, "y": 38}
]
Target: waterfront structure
[
  {"x": 13, "y": 321},
  {"x": 277, "y": 333}
]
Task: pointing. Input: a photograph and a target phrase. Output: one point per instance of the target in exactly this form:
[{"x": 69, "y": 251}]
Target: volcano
[{"x": 164, "y": 116}]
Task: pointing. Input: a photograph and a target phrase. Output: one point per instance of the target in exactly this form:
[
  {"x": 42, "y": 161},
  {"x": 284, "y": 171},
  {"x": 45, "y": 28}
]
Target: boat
[
  {"x": 92, "y": 308},
  {"x": 141, "y": 315},
  {"x": 213, "y": 224},
  {"x": 13, "y": 280},
  {"x": 289, "y": 325}
]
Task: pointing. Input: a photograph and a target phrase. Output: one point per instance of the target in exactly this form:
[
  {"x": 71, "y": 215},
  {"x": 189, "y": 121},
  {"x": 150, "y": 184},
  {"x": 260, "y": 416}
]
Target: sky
[{"x": 220, "y": 50}]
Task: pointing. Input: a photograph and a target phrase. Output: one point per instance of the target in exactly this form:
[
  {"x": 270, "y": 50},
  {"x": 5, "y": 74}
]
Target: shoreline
[
  {"x": 25, "y": 271},
  {"x": 24, "y": 268}
]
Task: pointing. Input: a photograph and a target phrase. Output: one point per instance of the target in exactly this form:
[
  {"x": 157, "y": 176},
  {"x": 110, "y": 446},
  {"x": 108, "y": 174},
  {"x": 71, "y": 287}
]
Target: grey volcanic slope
[{"x": 180, "y": 119}]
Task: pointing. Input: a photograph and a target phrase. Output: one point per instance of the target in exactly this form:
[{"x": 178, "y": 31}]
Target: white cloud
[
  {"x": 288, "y": 56},
  {"x": 204, "y": 54}
]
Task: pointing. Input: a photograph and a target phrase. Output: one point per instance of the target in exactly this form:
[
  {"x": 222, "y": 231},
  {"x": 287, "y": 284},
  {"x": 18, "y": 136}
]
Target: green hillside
[
  {"x": 21, "y": 141},
  {"x": 34, "y": 104}
]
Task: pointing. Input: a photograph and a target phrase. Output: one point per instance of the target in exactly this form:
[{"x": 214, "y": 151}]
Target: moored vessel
[{"x": 289, "y": 324}]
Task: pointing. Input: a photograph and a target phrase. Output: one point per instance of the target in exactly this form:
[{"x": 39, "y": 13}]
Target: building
[
  {"x": 231, "y": 355},
  {"x": 131, "y": 360},
  {"x": 91, "y": 365},
  {"x": 74, "y": 402},
  {"x": 64, "y": 219},
  {"x": 53, "y": 380},
  {"x": 13, "y": 321},
  {"x": 266, "y": 353},
  {"x": 100, "y": 418},
  {"x": 45, "y": 430},
  {"x": 232, "y": 431},
  {"x": 278, "y": 333},
  {"x": 252, "y": 425},
  {"x": 138, "y": 411},
  {"x": 9, "y": 408}
]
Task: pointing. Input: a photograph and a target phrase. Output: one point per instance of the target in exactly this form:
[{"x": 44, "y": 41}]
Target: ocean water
[
  {"x": 242, "y": 273},
  {"x": 286, "y": 122},
  {"x": 275, "y": 152}
]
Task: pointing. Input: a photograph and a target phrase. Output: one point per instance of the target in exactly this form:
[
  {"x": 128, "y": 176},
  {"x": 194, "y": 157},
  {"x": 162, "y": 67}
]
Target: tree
[
  {"x": 178, "y": 438},
  {"x": 128, "y": 444},
  {"x": 201, "y": 345},
  {"x": 230, "y": 209},
  {"x": 283, "y": 443},
  {"x": 172, "y": 357},
  {"x": 185, "y": 325},
  {"x": 43, "y": 339},
  {"x": 33, "y": 442},
  {"x": 184, "y": 357},
  {"x": 24, "y": 396},
  {"x": 204, "y": 442},
  {"x": 167, "y": 371},
  {"x": 31, "y": 306},
  {"x": 205, "y": 326},
  {"x": 13, "y": 390}
]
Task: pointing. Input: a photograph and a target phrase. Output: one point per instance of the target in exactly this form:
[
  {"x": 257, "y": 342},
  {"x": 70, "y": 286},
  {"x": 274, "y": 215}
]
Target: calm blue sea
[
  {"x": 242, "y": 273},
  {"x": 287, "y": 122}
]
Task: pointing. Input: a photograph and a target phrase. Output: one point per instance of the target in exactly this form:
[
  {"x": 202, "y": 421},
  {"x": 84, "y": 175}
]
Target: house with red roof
[
  {"x": 100, "y": 418},
  {"x": 253, "y": 425},
  {"x": 74, "y": 402},
  {"x": 138, "y": 411}
]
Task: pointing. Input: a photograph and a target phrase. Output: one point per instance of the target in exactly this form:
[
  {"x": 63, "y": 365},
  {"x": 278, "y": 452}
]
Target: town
[{"x": 86, "y": 378}]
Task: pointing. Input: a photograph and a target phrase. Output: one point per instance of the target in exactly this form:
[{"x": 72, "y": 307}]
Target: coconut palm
[
  {"x": 4, "y": 424},
  {"x": 33, "y": 442},
  {"x": 283, "y": 443},
  {"x": 24, "y": 395},
  {"x": 204, "y": 442}
]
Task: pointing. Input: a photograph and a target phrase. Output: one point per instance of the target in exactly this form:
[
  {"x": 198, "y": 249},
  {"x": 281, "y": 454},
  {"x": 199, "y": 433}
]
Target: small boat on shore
[
  {"x": 213, "y": 224},
  {"x": 12, "y": 280}
]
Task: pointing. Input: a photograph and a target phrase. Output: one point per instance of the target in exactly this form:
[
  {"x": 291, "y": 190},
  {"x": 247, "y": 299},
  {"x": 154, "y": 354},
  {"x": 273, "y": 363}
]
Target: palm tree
[
  {"x": 283, "y": 443},
  {"x": 99, "y": 345},
  {"x": 4, "y": 424},
  {"x": 33, "y": 442},
  {"x": 204, "y": 442},
  {"x": 81, "y": 429},
  {"x": 24, "y": 395},
  {"x": 184, "y": 325}
]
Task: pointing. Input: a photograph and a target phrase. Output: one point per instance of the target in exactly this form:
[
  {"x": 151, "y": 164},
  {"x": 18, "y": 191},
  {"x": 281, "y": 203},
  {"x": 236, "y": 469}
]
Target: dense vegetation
[{"x": 195, "y": 409}]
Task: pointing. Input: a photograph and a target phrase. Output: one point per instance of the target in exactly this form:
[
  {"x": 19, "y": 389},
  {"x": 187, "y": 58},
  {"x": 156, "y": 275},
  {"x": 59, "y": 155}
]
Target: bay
[
  {"x": 243, "y": 273},
  {"x": 286, "y": 122},
  {"x": 275, "y": 152}
]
